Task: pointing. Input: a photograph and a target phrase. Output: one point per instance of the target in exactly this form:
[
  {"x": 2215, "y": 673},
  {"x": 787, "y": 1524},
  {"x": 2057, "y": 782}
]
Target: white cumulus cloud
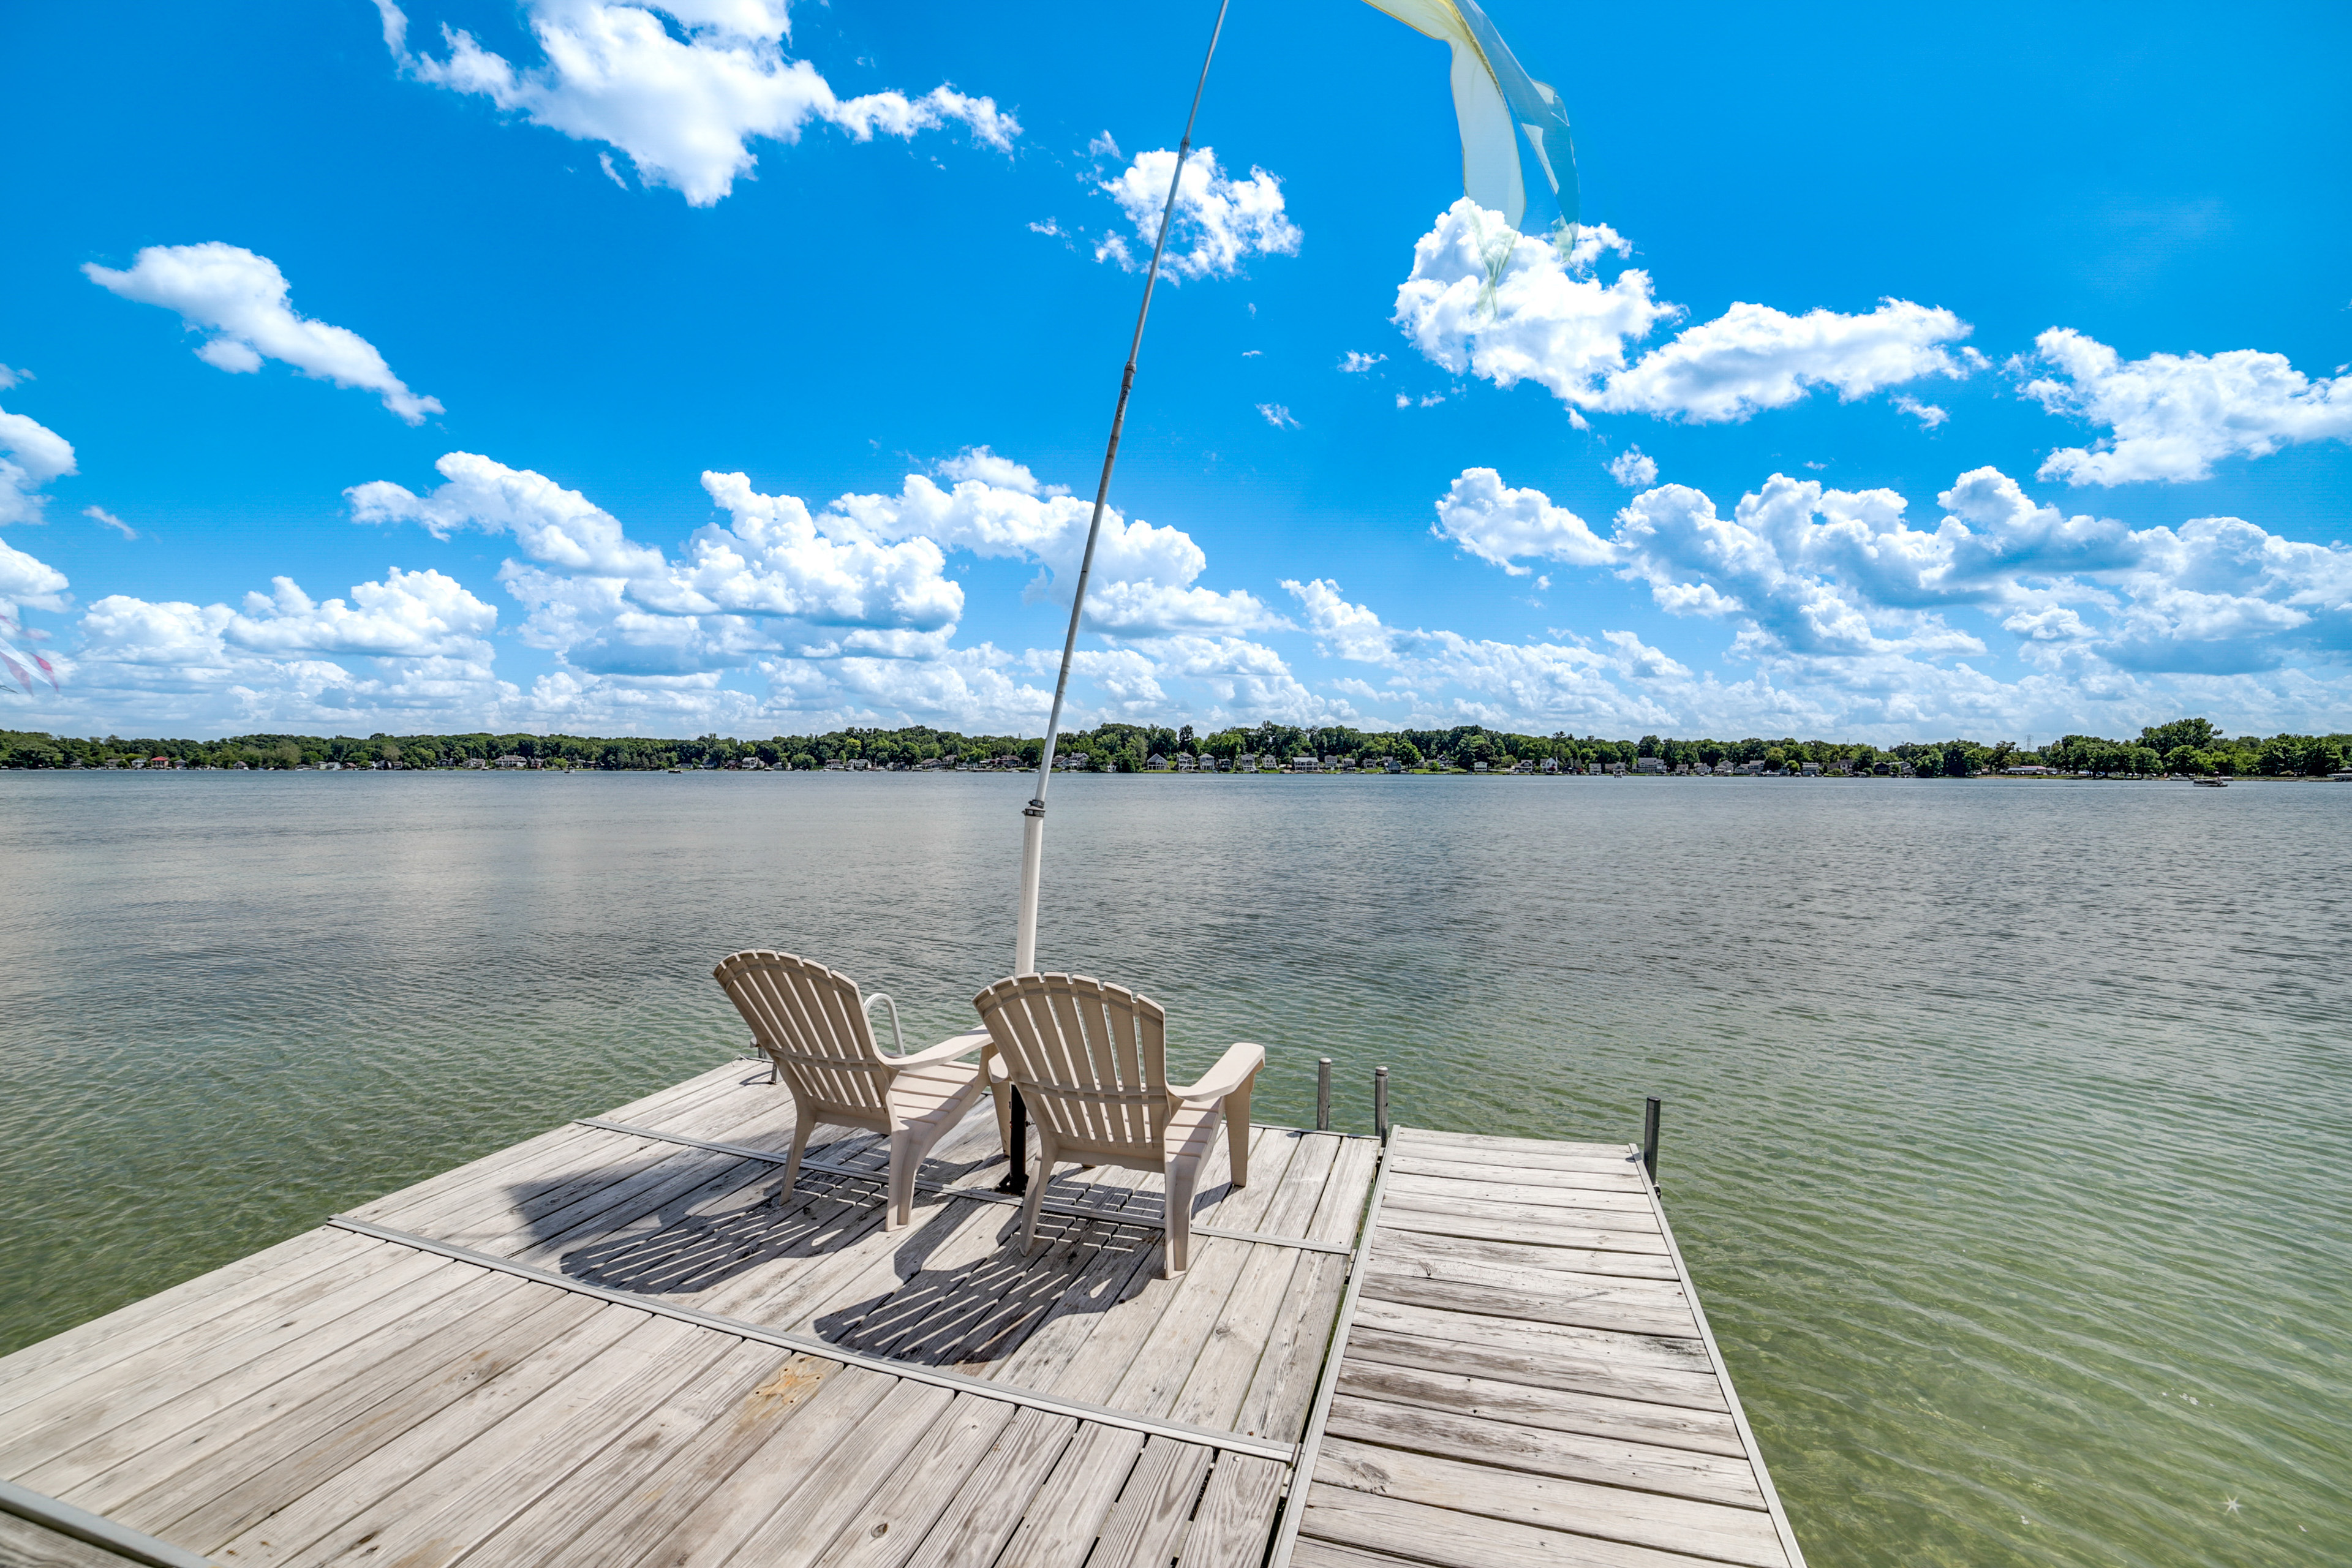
[
  {"x": 2173, "y": 417},
  {"x": 555, "y": 526},
  {"x": 242, "y": 300},
  {"x": 1218, "y": 223},
  {"x": 1505, "y": 307},
  {"x": 682, "y": 88},
  {"x": 278, "y": 663},
  {"x": 36, "y": 455},
  {"x": 1485, "y": 300},
  {"x": 1503, "y": 525},
  {"x": 1449, "y": 679},
  {"x": 1146, "y": 576},
  {"x": 1754, "y": 357},
  {"x": 832, "y": 600},
  {"x": 980, "y": 463},
  {"x": 770, "y": 580},
  {"x": 29, "y": 582},
  {"x": 409, "y": 615},
  {"x": 1837, "y": 592},
  {"x": 1634, "y": 468}
]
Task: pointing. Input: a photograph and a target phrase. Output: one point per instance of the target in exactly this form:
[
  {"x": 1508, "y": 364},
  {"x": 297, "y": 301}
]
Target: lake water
[{"x": 2007, "y": 1125}]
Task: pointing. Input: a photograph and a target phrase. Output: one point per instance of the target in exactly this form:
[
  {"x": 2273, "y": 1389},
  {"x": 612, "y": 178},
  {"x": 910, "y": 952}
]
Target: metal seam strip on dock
[
  {"x": 1102, "y": 1414},
  {"x": 93, "y": 1529},
  {"x": 978, "y": 1194},
  {"x": 1302, "y": 1471}
]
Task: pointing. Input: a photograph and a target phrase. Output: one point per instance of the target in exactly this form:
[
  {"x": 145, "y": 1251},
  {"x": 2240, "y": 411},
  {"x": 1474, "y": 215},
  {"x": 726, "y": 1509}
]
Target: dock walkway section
[
  {"x": 616, "y": 1343},
  {"x": 1527, "y": 1377}
]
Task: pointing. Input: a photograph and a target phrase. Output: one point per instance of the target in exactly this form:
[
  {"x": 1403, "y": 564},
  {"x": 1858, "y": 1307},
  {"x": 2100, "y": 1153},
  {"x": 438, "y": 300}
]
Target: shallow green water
[{"x": 2007, "y": 1125}]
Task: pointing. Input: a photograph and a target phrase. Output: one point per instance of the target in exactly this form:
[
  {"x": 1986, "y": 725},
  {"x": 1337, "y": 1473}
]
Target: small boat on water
[{"x": 2211, "y": 783}]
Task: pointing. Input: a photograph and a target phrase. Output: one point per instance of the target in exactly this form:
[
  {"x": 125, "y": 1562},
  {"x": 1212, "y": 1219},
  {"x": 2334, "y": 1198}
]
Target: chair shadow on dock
[
  {"x": 682, "y": 1250},
  {"x": 955, "y": 1288}
]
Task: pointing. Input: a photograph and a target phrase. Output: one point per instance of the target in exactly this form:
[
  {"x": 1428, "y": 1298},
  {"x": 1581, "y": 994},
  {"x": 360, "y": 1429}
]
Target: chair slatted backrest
[
  {"x": 812, "y": 1021},
  {"x": 1091, "y": 1060}
]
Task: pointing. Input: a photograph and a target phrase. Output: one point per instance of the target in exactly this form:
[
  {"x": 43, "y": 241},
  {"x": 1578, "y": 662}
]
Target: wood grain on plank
[
  {"x": 1601, "y": 1232},
  {"x": 1728, "y": 1534},
  {"x": 632, "y": 1472},
  {"x": 439, "y": 1516},
  {"x": 1385, "y": 1530},
  {"x": 1481, "y": 1440},
  {"x": 768, "y": 1479},
  {"x": 649, "y": 1509},
  {"x": 1236, "y": 1513},
  {"x": 189, "y": 1417},
  {"x": 1586, "y": 1212},
  {"x": 1602, "y": 1304},
  {"x": 1563, "y": 1410},
  {"x": 1538, "y": 1366},
  {"x": 314, "y": 1512},
  {"x": 977, "y": 1521},
  {"x": 1429, "y": 1139},
  {"x": 1154, "y": 1509},
  {"x": 868, "y": 1457},
  {"x": 88, "y": 1349},
  {"x": 314, "y": 1439},
  {"x": 253, "y": 1345},
  {"x": 1511, "y": 1199},
  {"x": 890, "y": 1525},
  {"x": 1405, "y": 1246},
  {"x": 1614, "y": 1175}
]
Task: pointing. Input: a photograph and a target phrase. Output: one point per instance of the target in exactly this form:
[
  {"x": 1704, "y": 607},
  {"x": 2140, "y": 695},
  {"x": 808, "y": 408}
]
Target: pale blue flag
[{"x": 1516, "y": 157}]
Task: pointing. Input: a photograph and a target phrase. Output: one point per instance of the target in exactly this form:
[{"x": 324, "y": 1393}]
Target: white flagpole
[{"x": 1032, "y": 829}]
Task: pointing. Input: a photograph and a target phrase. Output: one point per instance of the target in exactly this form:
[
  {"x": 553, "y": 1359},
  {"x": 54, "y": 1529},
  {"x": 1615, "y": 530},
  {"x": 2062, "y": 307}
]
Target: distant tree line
[{"x": 2185, "y": 745}]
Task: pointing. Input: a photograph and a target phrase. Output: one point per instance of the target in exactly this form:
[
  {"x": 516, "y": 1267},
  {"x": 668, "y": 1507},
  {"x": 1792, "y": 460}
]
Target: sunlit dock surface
[{"x": 610, "y": 1345}]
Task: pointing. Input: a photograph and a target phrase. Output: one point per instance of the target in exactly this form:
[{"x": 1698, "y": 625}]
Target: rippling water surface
[{"x": 2008, "y": 1126}]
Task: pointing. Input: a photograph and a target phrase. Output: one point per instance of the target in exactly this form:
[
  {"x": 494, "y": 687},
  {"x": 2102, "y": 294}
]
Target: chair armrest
[
  {"x": 1236, "y": 1067},
  {"x": 947, "y": 1050}
]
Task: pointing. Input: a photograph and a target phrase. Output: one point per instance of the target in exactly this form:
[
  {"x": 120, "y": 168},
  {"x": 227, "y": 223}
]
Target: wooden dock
[{"x": 612, "y": 1346}]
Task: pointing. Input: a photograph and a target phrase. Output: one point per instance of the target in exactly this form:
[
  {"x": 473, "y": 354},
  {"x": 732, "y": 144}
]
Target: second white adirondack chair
[
  {"x": 812, "y": 1023},
  {"x": 1091, "y": 1061}
]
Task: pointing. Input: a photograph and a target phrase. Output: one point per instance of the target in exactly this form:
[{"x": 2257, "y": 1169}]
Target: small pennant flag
[{"x": 1516, "y": 157}]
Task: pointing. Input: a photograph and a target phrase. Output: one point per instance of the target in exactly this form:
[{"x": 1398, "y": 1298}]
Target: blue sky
[{"x": 1961, "y": 373}]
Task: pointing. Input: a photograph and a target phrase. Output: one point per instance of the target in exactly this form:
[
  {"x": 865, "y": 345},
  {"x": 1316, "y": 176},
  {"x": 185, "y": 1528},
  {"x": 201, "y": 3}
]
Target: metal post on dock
[
  {"x": 1016, "y": 1180},
  {"x": 1650, "y": 1137},
  {"x": 1323, "y": 1094},
  {"x": 1380, "y": 1103}
]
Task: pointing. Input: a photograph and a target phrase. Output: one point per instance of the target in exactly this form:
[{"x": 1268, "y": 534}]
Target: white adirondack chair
[
  {"x": 1091, "y": 1061},
  {"x": 812, "y": 1023}
]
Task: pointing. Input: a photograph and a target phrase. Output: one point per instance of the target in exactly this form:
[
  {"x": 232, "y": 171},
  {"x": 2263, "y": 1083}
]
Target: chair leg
[
  {"x": 1043, "y": 1173},
  {"x": 1180, "y": 1182},
  {"x": 804, "y": 1124},
  {"x": 1238, "y": 1131},
  {"x": 1002, "y": 1093},
  {"x": 904, "y": 1158}
]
